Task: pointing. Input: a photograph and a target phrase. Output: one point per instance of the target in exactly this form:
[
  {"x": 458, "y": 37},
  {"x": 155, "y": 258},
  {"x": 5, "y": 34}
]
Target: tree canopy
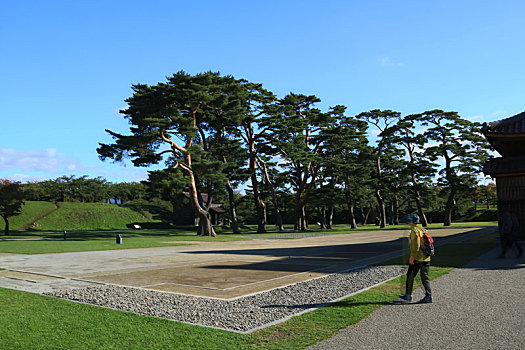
[
  {"x": 11, "y": 201},
  {"x": 218, "y": 132}
]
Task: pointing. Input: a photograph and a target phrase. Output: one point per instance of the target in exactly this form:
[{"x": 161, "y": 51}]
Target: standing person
[
  {"x": 418, "y": 261},
  {"x": 508, "y": 232}
]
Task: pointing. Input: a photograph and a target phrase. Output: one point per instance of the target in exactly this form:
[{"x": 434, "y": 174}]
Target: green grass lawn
[
  {"x": 92, "y": 240},
  {"x": 30, "y": 211},
  {"x": 79, "y": 241},
  {"x": 345, "y": 228},
  {"x": 31, "y": 321}
]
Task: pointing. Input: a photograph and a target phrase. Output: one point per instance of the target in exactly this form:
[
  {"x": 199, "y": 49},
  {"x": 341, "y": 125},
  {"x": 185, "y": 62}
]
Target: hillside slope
[
  {"x": 30, "y": 211},
  {"x": 90, "y": 216}
]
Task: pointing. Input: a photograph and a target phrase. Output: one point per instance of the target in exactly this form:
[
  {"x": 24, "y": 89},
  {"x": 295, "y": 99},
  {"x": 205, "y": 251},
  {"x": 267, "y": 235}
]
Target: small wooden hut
[
  {"x": 186, "y": 216},
  {"x": 507, "y": 136}
]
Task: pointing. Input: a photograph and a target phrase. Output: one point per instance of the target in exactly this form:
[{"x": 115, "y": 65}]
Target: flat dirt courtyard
[{"x": 214, "y": 269}]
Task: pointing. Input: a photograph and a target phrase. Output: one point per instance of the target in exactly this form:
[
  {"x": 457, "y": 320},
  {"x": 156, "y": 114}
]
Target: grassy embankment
[
  {"x": 30, "y": 211},
  {"x": 90, "y": 216},
  {"x": 39, "y": 322},
  {"x": 73, "y": 216}
]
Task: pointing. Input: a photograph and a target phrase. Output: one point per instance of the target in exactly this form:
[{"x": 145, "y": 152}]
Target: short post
[
  {"x": 119, "y": 239},
  {"x": 65, "y": 232}
]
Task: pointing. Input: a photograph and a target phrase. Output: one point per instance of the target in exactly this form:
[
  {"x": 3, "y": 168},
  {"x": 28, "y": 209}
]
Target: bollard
[{"x": 119, "y": 239}]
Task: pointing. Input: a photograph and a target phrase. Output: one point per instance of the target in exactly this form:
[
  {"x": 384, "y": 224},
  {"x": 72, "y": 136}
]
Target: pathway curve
[{"x": 479, "y": 306}]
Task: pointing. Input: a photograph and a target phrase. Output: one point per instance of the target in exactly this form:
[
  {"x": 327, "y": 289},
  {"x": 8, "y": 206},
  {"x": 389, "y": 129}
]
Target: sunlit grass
[
  {"x": 34, "y": 242},
  {"x": 30, "y": 211}
]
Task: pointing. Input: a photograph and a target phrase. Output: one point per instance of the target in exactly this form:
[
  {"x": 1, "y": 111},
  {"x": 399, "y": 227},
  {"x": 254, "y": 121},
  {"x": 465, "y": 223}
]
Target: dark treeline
[
  {"x": 295, "y": 162},
  {"x": 161, "y": 195},
  {"x": 83, "y": 189}
]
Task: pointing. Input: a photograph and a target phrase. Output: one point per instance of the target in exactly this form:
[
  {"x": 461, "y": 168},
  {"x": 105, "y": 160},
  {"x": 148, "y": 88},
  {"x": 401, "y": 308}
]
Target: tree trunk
[
  {"x": 297, "y": 218},
  {"x": 259, "y": 204},
  {"x": 390, "y": 217},
  {"x": 451, "y": 201},
  {"x": 395, "y": 211},
  {"x": 330, "y": 217},
  {"x": 382, "y": 209},
  {"x": 278, "y": 217},
  {"x": 233, "y": 212},
  {"x": 353, "y": 223},
  {"x": 205, "y": 227},
  {"x": 304, "y": 221},
  {"x": 350, "y": 204},
  {"x": 300, "y": 217},
  {"x": 322, "y": 217},
  {"x": 261, "y": 227},
  {"x": 421, "y": 213},
  {"x": 365, "y": 217},
  {"x": 6, "y": 231},
  {"x": 261, "y": 217},
  {"x": 276, "y": 211}
]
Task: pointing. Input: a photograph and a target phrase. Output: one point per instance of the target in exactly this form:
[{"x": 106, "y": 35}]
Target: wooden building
[
  {"x": 186, "y": 216},
  {"x": 507, "y": 136}
]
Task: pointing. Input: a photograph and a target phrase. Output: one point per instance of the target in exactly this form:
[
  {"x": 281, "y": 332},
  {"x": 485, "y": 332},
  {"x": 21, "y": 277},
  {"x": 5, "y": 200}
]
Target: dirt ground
[{"x": 217, "y": 269}]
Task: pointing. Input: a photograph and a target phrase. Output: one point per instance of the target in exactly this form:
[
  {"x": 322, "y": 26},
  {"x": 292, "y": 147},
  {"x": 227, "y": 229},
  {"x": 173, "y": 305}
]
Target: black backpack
[{"x": 428, "y": 244}]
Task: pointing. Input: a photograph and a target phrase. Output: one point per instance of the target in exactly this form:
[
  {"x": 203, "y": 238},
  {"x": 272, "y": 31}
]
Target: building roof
[
  {"x": 512, "y": 125},
  {"x": 505, "y": 166},
  {"x": 218, "y": 210},
  {"x": 204, "y": 197},
  {"x": 507, "y": 136}
]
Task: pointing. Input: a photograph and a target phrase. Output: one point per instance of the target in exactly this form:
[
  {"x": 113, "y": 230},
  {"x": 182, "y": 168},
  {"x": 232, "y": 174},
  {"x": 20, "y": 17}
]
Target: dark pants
[{"x": 411, "y": 274}]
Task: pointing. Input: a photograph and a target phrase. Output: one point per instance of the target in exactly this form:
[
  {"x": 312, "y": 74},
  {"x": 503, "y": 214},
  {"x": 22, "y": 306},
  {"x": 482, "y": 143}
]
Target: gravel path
[
  {"x": 479, "y": 306},
  {"x": 243, "y": 314}
]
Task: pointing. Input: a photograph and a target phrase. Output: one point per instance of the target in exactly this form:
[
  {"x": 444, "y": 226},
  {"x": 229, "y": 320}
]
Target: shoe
[
  {"x": 426, "y": 300},
  {"x": 405, "y": 298}
]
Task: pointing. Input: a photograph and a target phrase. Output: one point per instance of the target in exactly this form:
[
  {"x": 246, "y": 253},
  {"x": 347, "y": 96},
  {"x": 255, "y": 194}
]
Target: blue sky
[{"x": 66, "y": 67}]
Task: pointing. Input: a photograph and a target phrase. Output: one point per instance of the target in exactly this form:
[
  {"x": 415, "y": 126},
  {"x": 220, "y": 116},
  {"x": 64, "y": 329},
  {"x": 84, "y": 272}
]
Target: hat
[{"x": 413, "y": 218}]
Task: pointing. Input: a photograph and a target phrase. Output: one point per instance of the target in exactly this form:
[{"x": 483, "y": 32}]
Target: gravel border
[{"x": 242, "y": 315}]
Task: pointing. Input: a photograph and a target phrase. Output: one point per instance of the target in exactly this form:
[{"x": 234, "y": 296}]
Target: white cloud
[
  {"x": 386, "y": 62},
  {"x": 493, "y": 116},
  {"x": 499, "y": 114},
  {"x": 477, "y": 118},
  {"x": 39, "y": 165},
  {"x": 32, "y": 160},
  {"x": 46, "y": 161},
  {"x": 24, "y": 178}
]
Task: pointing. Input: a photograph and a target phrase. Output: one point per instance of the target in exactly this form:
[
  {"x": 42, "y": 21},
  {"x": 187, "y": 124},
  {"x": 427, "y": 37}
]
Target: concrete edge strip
[
  {"x": 20, "y": 279},
  {"x": 37, "y": 273}
]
